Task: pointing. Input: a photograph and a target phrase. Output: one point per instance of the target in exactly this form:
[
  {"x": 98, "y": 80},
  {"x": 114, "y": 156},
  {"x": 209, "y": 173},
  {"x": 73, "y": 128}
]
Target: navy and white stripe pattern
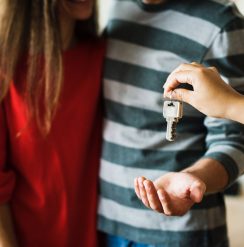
[{"x": 145, "y": 44}]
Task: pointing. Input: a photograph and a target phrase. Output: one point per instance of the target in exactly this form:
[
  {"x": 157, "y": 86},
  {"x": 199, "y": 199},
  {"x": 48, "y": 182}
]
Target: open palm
[{"x": 172, "y": 194}]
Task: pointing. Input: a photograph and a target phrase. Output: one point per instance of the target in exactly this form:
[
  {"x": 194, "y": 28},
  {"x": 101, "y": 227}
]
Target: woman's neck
[{"x": 67, "y": 28}]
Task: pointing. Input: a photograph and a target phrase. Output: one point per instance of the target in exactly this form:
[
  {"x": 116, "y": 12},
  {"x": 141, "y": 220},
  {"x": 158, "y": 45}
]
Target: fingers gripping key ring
[{"x": 171, "y": 95}]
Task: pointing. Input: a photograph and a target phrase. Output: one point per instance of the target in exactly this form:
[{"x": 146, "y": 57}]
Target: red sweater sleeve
[{"x": 7, "y": 177}]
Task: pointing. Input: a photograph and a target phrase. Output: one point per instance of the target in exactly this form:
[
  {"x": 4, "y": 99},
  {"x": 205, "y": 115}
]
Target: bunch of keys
[{"x": 172, "y": 111}]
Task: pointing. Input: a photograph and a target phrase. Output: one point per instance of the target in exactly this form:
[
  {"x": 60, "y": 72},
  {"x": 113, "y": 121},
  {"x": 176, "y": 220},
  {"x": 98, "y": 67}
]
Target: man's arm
[
  {"x": 175, "y": 192},
  {"x": 211, "y": 172},
  {"x": 7, "y": 236}
]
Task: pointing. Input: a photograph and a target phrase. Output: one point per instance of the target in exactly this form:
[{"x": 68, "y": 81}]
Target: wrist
[
  {"x": 210, "y": 172},
  {"x": 197, "y": 174},
  {"x": 235, "y": 109}
]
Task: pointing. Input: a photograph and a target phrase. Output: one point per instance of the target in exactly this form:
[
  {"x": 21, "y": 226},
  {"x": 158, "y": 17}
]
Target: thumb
[
  {"x": 180, "y": 94},
  {"x": 197, "y": 191}
]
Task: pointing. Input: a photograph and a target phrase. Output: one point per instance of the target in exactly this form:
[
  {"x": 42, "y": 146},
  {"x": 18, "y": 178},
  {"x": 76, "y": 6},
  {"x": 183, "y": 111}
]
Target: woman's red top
[{"x": 51, "y": 183}]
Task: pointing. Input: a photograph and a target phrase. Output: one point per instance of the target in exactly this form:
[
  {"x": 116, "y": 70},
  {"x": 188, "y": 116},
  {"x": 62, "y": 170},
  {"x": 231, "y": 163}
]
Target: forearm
[
  {"x": 235, "y": 110},
  {"x": 211, "y": 172},
  {"x": 7, "y": 235}
]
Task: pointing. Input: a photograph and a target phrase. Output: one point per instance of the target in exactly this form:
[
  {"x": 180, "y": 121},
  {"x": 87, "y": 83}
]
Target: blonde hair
[{"x": 32, "y": 27}]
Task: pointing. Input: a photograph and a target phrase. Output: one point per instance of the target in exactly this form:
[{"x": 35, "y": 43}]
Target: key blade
[{"x": 171, "y": 129}]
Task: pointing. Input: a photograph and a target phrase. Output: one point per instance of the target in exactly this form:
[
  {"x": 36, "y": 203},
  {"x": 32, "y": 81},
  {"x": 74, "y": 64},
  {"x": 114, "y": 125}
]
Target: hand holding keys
[{"x": 172, "y": 111}]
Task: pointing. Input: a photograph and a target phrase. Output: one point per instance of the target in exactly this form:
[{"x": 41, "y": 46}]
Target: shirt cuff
[{"x": 231, "y": 158}]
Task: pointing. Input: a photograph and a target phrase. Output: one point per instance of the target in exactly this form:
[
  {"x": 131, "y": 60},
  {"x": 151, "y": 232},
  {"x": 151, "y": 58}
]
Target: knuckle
[
  {"x": 149, "y": 189},
  {"x": 181, "y": 66},
  {"x": 201, "y": 70}
]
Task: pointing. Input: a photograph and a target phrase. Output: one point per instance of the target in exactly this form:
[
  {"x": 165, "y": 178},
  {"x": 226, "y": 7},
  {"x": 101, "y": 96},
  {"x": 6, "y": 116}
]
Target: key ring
[{"x": 171, "y": 93}]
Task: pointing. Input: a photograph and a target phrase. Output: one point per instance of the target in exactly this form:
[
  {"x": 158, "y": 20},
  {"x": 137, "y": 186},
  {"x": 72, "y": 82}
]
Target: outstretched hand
[{"x": 172, "y": 194}]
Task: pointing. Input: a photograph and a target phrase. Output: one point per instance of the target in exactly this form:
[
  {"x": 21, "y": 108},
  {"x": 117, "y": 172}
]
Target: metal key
[{"x": 172, "y": 111}]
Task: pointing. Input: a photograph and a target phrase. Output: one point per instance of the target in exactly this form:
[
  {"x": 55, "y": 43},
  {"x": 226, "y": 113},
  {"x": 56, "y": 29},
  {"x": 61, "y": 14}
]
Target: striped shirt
[{"x": 145, "y": 43}]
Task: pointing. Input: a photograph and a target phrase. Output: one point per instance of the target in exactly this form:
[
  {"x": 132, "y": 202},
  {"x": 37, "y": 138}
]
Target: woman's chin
[
  {"x": 153, "y": 1},
  {"x": 79, "y": 9}
]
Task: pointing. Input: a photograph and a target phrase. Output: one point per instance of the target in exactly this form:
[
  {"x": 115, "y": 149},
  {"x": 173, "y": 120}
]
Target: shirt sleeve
[
  {"x": 225, "y": 138},
  {"x": 7, "y": 177}
]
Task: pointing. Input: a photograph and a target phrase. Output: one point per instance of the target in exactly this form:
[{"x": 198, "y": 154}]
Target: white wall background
[
  {"x": 103, "y": 12},
  {"x": 240, "y": 4}
]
